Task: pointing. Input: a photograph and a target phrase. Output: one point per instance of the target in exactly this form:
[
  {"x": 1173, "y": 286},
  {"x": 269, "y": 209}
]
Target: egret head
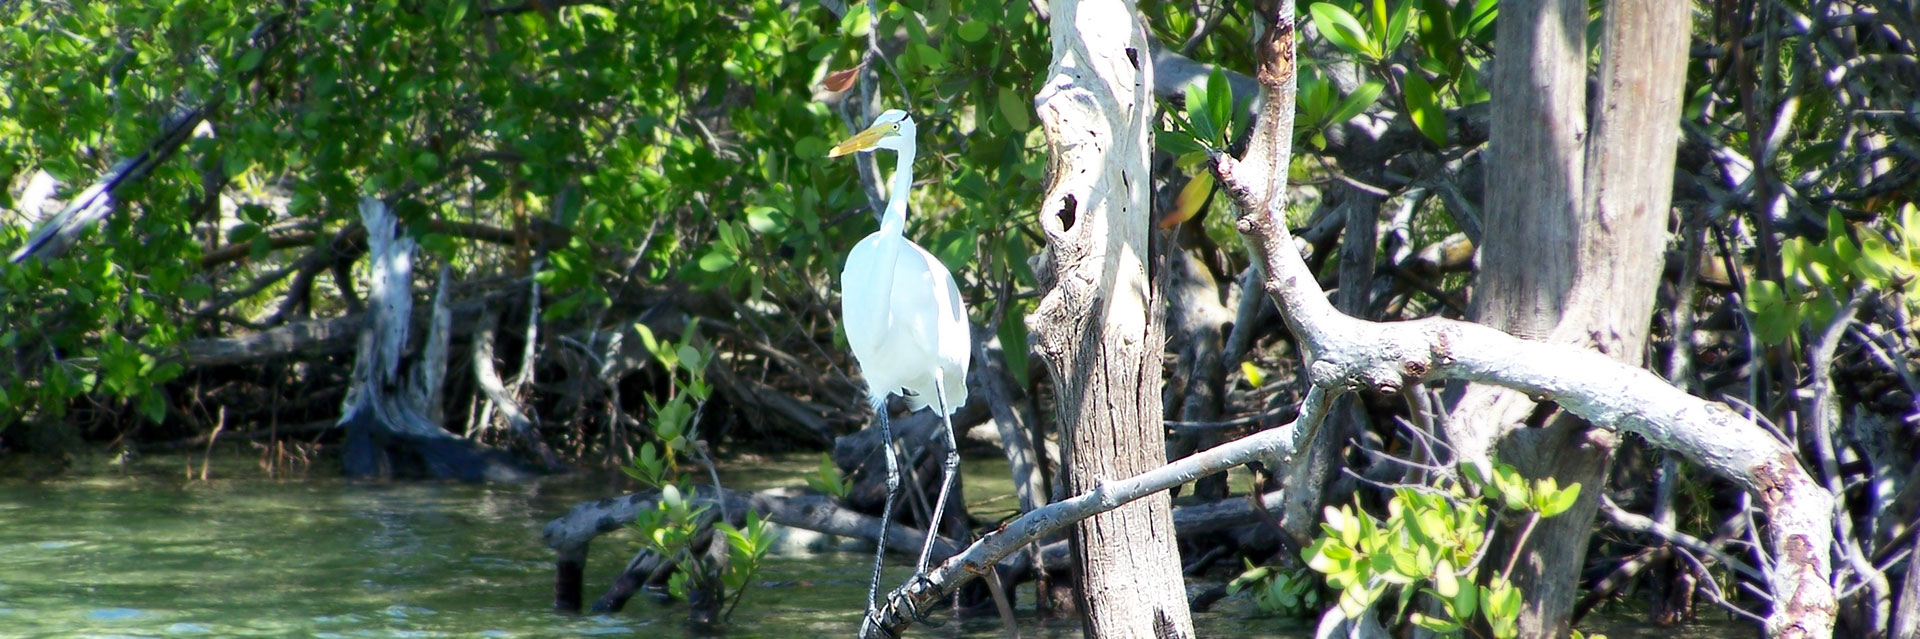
[{"x": 892, "y": 130}]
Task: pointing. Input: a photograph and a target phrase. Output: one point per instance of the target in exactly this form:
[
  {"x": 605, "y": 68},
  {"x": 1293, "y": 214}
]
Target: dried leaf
[
  {"x": 1185, "y": 205},
  {"x": 843, "y": 79}
]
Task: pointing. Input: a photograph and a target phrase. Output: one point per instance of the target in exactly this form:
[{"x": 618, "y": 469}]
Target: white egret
[{"x": 905, "y": 322}]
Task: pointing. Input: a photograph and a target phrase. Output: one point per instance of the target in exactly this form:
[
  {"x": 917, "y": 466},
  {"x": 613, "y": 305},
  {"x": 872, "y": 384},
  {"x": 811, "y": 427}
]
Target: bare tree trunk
[
  {"x": 1576, "y": 224},
  {"x": 1095, "y": 326},
  {"x": 390, "y": 428}
]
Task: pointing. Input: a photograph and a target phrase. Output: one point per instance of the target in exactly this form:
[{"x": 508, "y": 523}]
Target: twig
[{"x": 1641, "y": 524}]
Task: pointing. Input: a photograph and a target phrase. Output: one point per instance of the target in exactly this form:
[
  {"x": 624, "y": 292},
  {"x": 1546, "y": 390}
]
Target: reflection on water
[{"x": 153, "y": 556}]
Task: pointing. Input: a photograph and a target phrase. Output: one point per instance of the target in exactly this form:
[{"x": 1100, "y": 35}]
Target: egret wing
[{"x": 942, "y": 338}]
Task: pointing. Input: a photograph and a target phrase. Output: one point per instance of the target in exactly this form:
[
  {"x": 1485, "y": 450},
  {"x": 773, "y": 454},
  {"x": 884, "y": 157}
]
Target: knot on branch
[
  {"x": 1384, "y": 382},
  {"x": 1238, "y": 190},
  {"x": 1326, "y": 374},
  {"x": 1441, "y": 347},
  {"x": 1373, "y": 375}
]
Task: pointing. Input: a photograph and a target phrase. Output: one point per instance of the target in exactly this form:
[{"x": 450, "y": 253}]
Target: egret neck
[{"x": 894, "y": 220}]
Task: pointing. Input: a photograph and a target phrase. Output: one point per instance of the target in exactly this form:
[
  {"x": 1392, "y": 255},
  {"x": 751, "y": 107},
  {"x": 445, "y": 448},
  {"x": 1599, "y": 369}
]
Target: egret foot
[{"x": 921, "y": 583}]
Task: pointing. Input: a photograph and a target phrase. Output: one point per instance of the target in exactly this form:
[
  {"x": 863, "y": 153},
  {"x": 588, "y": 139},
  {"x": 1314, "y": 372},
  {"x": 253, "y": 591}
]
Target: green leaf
[
  {"x": 1318, "y": 558},
  {"x": 1397, "y": 25},
  {"x": 933, "y": 58},
  {"x": 1357, "y": 102},
  {"x": 1774, "y": 320},
  {"x": 1356, "y": 598},
  {"x": 716, "y": 260},
  {"x": 690, "y": 358},
  {"x": 857, "y": 21},
  {"x": 1340, "y": 28},
  {"x": 762, "y": 219},
  {"x": 1220, "y": 102},
  {"x": 1559, "y": 501},
  {"x": 259, "y": 248},
  {"x": 195, "y": 291},
  {"x": 1510, "y": 485},
  {"x": 250, "y": 60},
  {"x": 1178, "y": 143},
  {"x": 1013, "y": 111},
  {"x": 1442, "y": 626},
  {"x": 153, "y": 406},
  {"x": 1199, "y": 116},
  {"x": 1506, "y": 599},
  {"x": 1013, "y": 346},
  {"x": 456, "y": 12},
  {"x": 1254, "y": 376},
  {"x": 1466, "y": 602},
  {"x": 1879, "y": 263},
  {"x": 1316, "y": 101},
  {"x": 1445, "y": 582},
  {"x": 972, "y": 31},
  {"x": 1480, "y": 16},
  {"x": 646, "y": 337},
  {"x": 1423, "y": 109},
  {"x": 242, "y": 232}
]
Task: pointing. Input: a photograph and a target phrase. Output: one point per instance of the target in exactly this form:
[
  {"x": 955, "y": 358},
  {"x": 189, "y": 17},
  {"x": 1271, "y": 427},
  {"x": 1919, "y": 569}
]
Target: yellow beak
[{"x": 862, "y": 141}]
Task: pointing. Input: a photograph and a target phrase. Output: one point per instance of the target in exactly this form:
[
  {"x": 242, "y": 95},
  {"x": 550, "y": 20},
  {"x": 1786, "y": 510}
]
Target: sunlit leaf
[
  {"x": 972, "y": 31},
  {"x": 1424, "y": 109},
  {"x": 1220, "y": 101},
  {"x": 1559, "y": 501},
  {"x": 1396, "y": 28},
  {"x": 1357, "y": 102},
  {"x": 1340, "y": 28}
]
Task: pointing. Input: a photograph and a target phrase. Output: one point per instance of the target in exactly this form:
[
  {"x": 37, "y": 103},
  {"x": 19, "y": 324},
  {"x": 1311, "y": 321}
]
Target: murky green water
[{"x": 146, "y": 553}]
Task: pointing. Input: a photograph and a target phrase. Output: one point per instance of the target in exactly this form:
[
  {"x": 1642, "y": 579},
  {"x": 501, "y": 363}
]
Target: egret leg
[
  {"x": 886, "y": 519},
  {"x": 951, "y": 470}
]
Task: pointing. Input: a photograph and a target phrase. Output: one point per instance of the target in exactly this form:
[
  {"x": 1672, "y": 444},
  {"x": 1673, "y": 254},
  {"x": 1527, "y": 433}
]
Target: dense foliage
[
  {"x": 593, "y": 165},
  {"x": 589, "y": 146}
]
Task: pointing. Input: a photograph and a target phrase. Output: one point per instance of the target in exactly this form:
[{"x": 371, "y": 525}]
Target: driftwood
[
  {"x": 518, "y": 421},
  {"x": 571, "y": 535},
  {"x": 387, "y": 412}
]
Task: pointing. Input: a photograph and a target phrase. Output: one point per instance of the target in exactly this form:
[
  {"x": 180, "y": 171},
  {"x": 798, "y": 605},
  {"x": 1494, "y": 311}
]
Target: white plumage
[
  {"x": 906, "y": 325},
  {"x": 900, "y": 307}
]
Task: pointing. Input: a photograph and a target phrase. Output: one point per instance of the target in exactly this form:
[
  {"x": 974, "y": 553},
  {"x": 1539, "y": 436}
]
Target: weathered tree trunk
[
  {"x": 386, "y": 411},
  {"x": 1575, "y": 227},
  {"x": 1095, "y": 326}
]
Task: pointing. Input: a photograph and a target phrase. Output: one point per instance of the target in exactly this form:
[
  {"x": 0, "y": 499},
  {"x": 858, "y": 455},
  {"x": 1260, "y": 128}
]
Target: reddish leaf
[{"x": 840, "y": 80}]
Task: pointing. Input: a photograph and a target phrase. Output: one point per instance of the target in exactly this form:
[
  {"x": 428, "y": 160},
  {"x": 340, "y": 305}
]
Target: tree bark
[
  {"x": 1094, "y": 325},
  {"x": 1575, "y": 228}
]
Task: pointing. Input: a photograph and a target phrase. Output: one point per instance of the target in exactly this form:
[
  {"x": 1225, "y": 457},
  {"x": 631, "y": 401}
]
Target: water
[{"x": 143, "y": 552}]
